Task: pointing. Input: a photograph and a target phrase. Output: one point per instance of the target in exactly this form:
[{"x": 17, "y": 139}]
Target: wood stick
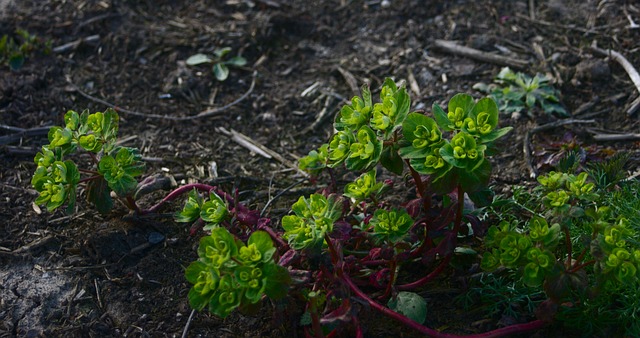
[
  {"x": 628, "y": 67},
  {"x": 616, "y": 137},
  {"x": 454, "y": 48}
]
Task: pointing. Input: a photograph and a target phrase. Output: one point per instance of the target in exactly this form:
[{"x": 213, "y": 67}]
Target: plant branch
[
  {"x": 176, "y": 193},
  {"x": 580, "y": 266},
  {"x": 513, "y": 329}
]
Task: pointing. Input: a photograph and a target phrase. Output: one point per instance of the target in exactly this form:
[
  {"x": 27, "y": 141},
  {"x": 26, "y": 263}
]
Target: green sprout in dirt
[
  {"x": 219, "y": 60},
  {"x": 516, "y": 92},
  {"x": 14, "y": 52},
  {"x": 230, "y": 274}
]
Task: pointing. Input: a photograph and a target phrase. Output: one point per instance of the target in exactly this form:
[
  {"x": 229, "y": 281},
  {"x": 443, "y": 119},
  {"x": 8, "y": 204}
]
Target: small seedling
[
  {"x": 13, "y": 53},
  {"x": 220, "y": 63},
  {"x": 515, "y": 92}
]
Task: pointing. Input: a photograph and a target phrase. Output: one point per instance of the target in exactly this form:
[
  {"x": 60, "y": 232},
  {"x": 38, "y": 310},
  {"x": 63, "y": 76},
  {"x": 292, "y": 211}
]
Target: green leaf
[
  {"x": 193, "y": 271},
  {"x": 191, "y": 210},
  {"x": 404, "y": 104},
  {"x": 366, "y": 95},
  {"x": 411, "y": 152},
  {"x": 263, "y": 243},
  {"x": 472, "y": 181},
  {"x": 495, "y": 134},
  {"x": 110, "y": 121},
  {"x": 365, "y": 151},
  {"x": 115, "y": 175},
  {"x": 99, "y": 194},
  {"x": 236, "y": 61},
  {"x": 391, "y": 161},
  {"x": 388, "y": 82},
  {"x": 72, "y": 120},
  {"x": 462, "y": 100},
  {"x": 421, "y": 131},
  {"x": 198, "y": 59},
  {"x": 221, "y": 52},
  {"x": 409, "y": 304},
  {"x": 278, "y": 281},
  {"x": 220, "y": 71},
  {"x": 16, "y": 61},
  {"x": 441, "y": 117}
]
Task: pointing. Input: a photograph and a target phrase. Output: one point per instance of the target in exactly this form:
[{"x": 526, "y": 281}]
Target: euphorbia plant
[{"x": 351, "y": 242}]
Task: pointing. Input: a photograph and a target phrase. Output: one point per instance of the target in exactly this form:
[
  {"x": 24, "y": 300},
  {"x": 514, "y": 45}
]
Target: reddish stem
[
  {"x": 392, "y": 278},
  {"x": 580, "y": 266},
  {"x": 274, "y": 236},
  {"x": 426, "y": 279},
  {"x": 179, "y": 191},
  {"x": 421, "y": 187},
  {"x": 513, "y": 329}
]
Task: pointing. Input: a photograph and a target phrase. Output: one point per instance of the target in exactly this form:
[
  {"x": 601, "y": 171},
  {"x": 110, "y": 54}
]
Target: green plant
[
  {"x": 114, "y": 167},
  {"x": 516, "y": 92},
  {"x": 230, "y": 274},
  {"x": 580, "y": 247},
  {"x": 14, "y": 52},
  {"x": 220, "y": 63}
]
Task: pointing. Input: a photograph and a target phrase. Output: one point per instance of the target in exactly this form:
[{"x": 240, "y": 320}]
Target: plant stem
[
  {"x": 426, "y": 279},
  {"x": 176, "y": 193},
  {"x": 131, "y": 204},
  {"x": 332, "y": 250},
  {"x": 419, "y": 183},
  {"x": 274, "y": 236},
  {"x": 513, "y": 329},
  {"x": 87, "y": 179},
  {"x": 567, "y": 238},
  {"x": 392, "y": 278},
  {"x": 94, "y": 172},
  {"x": 580, "y": 266}
]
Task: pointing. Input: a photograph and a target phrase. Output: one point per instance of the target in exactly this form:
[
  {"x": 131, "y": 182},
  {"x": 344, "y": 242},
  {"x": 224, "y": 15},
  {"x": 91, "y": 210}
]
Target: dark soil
[{"x": 92, "y": 275}]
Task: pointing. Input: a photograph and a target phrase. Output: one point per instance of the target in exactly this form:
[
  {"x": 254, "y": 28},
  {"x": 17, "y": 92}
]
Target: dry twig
[
  {"x": 454, "y": 48},
  {"x": 246, "y": 142},
  {"x": 628, "y": 67}
]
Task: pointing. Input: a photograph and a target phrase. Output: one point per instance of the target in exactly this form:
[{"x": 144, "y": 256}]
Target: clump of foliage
[
  {"x": 219, "y": 60},
  {"x": 14, "y": 52},
  {"x": 580, "y": 247},
  {"x": 517, "y": 92},
  {"x": 354, "y": 242}
]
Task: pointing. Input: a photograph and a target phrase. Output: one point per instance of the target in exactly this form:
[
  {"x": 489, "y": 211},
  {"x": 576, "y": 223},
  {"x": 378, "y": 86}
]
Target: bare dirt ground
[{"x": 93, "y": 275}]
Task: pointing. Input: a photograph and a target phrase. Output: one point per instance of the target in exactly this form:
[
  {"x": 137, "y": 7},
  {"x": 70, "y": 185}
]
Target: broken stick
[{"x": 456, "y": 49}]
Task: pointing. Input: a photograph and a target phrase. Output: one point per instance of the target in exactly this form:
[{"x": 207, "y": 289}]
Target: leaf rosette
[
  {"x": 312, "y": 219},
  {"x": 230, "y": 275}
]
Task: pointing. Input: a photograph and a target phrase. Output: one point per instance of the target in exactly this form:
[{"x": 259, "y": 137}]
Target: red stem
[
  {"x": 179, "y": 191},
  {"x": 426, "y": 279},
  {"x": 513, "y": 329},
  {"x": 580, "y": 266},
  {"x": 392, "y": 278},
  {"x": 421, "y": 187}
]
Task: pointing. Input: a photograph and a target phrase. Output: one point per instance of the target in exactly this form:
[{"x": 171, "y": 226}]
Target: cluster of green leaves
[
  {"x": 386, "y": 133},
  {"x": 230, "y": 275},
  {"x": 516, "y": 92},
  {"x": 581, "y": 244},
  {"x": 313, "y": 218},
  {"x": 13, "y": 52},
  {"x": 116, "y": 167},
  {"x": 213, "y": 211},
  {"x": 220, "y": 62}
]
